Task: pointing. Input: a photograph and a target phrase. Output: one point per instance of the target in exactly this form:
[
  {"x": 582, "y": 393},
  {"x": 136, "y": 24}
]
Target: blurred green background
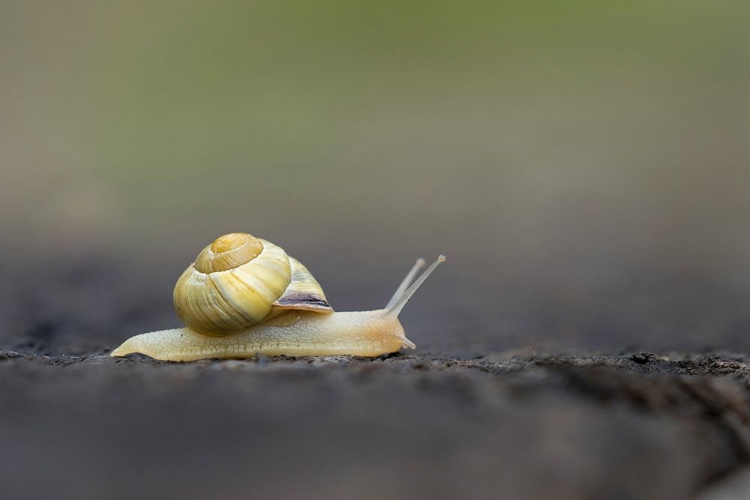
[{"x": 585, "y": 165}]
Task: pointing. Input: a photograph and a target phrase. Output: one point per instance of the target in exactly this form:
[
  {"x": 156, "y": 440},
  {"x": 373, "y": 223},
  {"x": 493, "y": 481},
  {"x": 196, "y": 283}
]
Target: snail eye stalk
[
  {"x": 394, "y": 308},
  {"x": 407, "y": 281}
]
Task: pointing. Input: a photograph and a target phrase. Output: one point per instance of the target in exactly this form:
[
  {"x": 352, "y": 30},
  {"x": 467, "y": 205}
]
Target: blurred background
[{"x": 584, "y": 165}]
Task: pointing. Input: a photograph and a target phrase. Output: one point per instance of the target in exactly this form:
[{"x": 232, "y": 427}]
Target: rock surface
[{"x": 506, "y": 425}]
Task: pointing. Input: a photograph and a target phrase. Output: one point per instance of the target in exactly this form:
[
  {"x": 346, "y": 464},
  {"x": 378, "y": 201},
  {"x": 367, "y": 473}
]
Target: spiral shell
[{"x": 239, "y": 281}]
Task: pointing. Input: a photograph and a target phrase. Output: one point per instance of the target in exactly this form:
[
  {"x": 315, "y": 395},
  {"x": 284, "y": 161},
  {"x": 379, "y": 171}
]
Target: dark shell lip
[{"x": 303, "y": 301}]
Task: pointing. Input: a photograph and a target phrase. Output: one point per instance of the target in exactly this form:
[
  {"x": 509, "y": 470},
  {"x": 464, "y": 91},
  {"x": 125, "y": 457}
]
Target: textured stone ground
[
  {"x": 636, "y": 426},
  {"x": 486, "y": 407}
]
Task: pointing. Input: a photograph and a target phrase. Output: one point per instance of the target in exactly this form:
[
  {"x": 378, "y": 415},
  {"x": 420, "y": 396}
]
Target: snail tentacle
[
  {"x": 407, "y": 281},
  {"x": 395, "y": 308}
]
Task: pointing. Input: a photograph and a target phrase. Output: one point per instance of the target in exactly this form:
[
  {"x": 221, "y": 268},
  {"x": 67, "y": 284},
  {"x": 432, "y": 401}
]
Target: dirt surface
[{"x": 636, "y": 426}]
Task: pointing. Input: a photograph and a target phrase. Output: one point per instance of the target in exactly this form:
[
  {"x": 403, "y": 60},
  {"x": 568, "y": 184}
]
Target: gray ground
[
  {"x": 520, "y": 409},
  {"x": 405, "y": 426}
]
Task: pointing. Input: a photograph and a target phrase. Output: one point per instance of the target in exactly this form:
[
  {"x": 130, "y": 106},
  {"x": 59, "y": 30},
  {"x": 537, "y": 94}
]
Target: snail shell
[{"x": 239, "y": 281}]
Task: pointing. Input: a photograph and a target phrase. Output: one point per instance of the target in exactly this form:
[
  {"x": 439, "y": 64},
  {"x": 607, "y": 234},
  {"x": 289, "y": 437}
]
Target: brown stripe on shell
[
  {"x": 303, "y": 301},
  {"x": 303, "y": 293}
]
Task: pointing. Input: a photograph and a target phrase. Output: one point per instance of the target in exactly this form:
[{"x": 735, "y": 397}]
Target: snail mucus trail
[{"x": 245, "y": 296}]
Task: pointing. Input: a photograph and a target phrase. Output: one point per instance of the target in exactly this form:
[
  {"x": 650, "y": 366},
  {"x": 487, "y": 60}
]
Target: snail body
[{"x": 244, "y": 296}]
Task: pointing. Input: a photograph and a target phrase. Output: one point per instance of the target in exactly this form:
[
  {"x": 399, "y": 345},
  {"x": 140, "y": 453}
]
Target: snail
[{"x": 245, "y": 296}]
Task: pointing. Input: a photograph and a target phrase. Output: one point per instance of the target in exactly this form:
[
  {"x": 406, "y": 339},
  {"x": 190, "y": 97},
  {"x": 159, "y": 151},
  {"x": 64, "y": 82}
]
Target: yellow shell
[{"x": 239, "y": 281}]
